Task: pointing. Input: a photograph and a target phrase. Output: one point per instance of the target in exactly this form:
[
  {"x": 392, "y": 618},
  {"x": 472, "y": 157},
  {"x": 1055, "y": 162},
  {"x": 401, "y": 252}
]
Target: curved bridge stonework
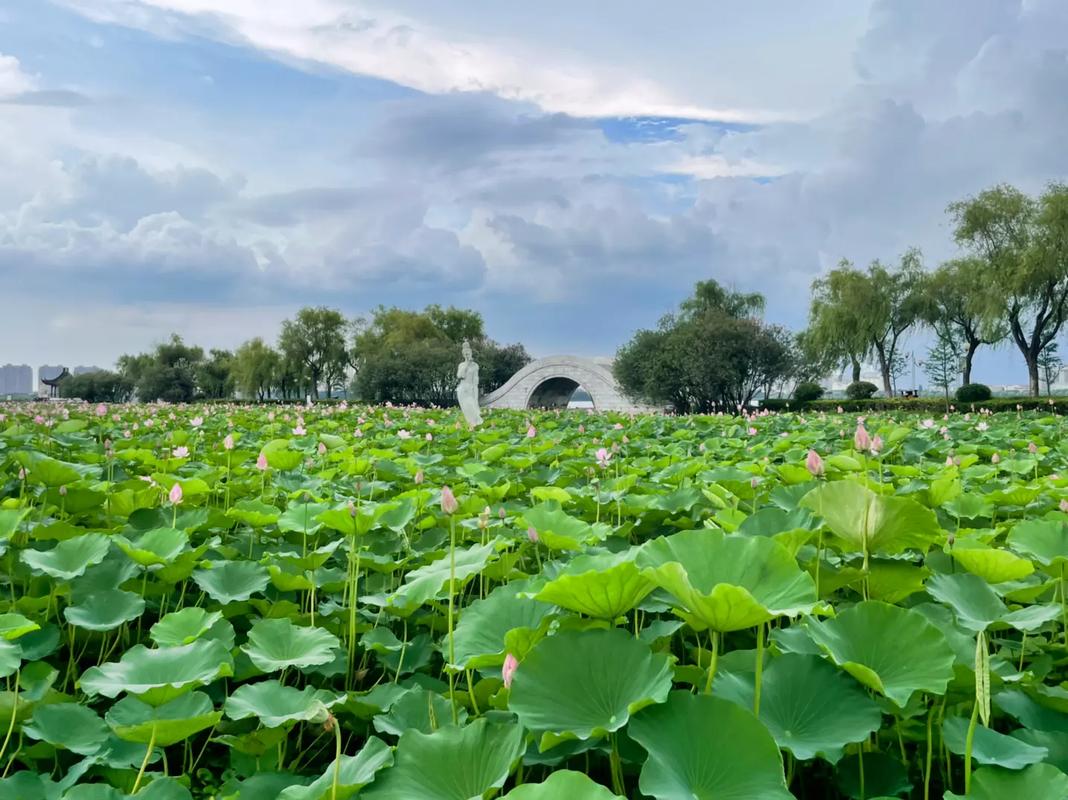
[{"x": 550, "y": 382}]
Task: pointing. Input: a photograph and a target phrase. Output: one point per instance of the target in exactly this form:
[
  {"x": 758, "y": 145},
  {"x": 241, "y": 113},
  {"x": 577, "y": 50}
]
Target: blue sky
[{"x": 570, "y": 170}]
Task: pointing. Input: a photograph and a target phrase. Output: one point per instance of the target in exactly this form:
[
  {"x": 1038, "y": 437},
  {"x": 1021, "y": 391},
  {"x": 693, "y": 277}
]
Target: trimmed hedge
[
  {"x": 973, "y": 393},
  {"x": 926, "y": 405}
]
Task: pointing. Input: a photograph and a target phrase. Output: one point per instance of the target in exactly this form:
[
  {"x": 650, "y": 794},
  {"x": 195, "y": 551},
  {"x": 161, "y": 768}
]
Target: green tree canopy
[
  {"x": 315, "y": 340},
  {"x": 168, "y": 373},
  {"x": 98, "y": 386},
  {"x": 256, "y": 368}
]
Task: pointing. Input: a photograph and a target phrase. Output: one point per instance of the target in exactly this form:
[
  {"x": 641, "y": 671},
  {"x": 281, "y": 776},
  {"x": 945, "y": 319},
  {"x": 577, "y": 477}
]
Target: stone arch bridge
[{"x": 550, "y": 382}]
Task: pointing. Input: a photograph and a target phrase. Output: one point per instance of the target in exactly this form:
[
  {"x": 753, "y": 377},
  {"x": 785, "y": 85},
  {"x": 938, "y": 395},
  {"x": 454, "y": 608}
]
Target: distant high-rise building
[
  {"x": 16, "y": 379},
  {"x": 83, "y": 370}
]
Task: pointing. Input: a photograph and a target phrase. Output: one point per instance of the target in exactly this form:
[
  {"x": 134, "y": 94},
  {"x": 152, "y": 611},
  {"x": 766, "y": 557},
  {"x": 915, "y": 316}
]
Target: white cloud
[{"x": 13, "y": 81}]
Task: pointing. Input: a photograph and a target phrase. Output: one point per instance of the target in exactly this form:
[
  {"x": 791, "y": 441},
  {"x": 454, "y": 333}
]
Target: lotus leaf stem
[
  {"x": 968, "y": 741},
  {"x": 144, "y": 762},
  {"x": 452, "y": 590},
  {"x": 14, "y": 713}
]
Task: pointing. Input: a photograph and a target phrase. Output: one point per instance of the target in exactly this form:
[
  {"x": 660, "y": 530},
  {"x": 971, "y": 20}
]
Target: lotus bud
[
  {"x": 448, "y": 501},
  {"x": 483, "y": 518},
  {"x": 22, "y": 473},
  {"x": 814, "y": 464},
  {"x": 352, "y": 509},
  {"x": 101, "y": 410},
  {"x": 420, "y": 476},
  {"x": 321, "y": 448},
  {"x": 228, "y": 442},
  {"x": 951, "y": 539},
  {"x": 532, "y": 534},
  {"x": 261, "y": 462},
  {"x": 429, "y": 436},
  {"x": 500, "y": 512},
  {"x": 176, "y": 494},
  {"x": 63, "y": 493},
  {"x": 861, "y": 439},
  {"x": 1032, "y": 448},
  {"x": 508, "y": 670},
  {"x": 876, "y": 445},
  {"x": 949, "y": 461},
  {"x": 532, "y": 432},
  {"x": 995, "y": 459}
]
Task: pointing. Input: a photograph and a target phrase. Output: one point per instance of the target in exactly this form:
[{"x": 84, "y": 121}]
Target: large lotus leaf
[
  {"x": 161, "y": 674},
  {"x": 990, "y": 747},
  {"x": 69, "y": 726},
  {"x": 254, "y": 513},
  {"x": 872, "y": 522},
  {"x": 275, "y": 704},
  {"x": 50, "y": 471},
  {"x": 976, "y": 605},
  {"x": 558, "y": 530},
  {"x": 14, "y": 626},
  {"x": 352, "y": 774},
  {"x": 155, "y": 547},
  {"x": 184, "y": 627},
  {"x": 1044, "y": 540},
  {"x": 707, "y": 747},
  {"x": 452, "y": 763},
  {"x": 10, "y": 657},
  {"x": 1030, "y": 713},
  {"x": 427, "y": 582},
  {"x": 479, "y": 636},
  {"x": 1031, "y": 618},
  {"x": 562, "y": 785},
  {"x": 300, "y": 517},
  {"x": 727, "y": 583},
  {"x": 69, "y": 558},
  {"x": 1037, "y": 781},
  {"x": 1055, "y": 742},
  {"x": 604, "y": 586},
  {"x": 893, "y": 650},
  {"x": 810, "y": 708},
  {"x": 104, "y": 610},
  {"x": 275, "y": 644},
  {"x": 420, "y": 709},
  {"x": 586, "y": 684},
  {"x": 993, "y": 565},
  {"x": 232, "y": 581},
  {"x": 166, "y": 724}
]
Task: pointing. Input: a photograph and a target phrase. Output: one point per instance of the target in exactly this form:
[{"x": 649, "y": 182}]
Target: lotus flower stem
[
  {"x": 927, "y": 760},
  {"x": 144, "y": 763},
  {"x": 616, "y": 768},
  {"x": 1023, "y": 649},
  {"x": 471, "y": 693},
  {"x": 452, "y": 590},
  {"x": 759, "y": 669},
  {"x": 968, "y": 740},
  {"x": 14, "y": 713},
  {"x": 860, "y": 769},
  {"x": 1064, "y": 609},
  {"x": 337, "y": 759},
  {"x": 714, "y": 647}
]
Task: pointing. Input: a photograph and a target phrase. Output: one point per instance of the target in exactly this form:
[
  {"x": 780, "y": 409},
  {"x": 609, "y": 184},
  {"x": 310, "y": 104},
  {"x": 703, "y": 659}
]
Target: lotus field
[{"x": 329, "y": 602}]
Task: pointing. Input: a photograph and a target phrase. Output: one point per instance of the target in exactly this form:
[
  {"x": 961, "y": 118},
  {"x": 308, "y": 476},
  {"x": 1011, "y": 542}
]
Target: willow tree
[
  {"x": 863, "y": 313},
  {"x": 957, "y": 298},
  {"x": 1023, "y": 245}
]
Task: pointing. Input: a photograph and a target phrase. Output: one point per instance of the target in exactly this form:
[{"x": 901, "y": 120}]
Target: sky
[{"x": 569, "y": 170}]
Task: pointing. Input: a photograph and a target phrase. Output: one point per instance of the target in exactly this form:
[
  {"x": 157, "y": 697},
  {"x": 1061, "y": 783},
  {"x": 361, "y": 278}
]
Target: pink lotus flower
[
  {"x": 181, "y": 452},
  {"x": 419, "y": 477},
  {"x": 429, "y": 436},
  {"x": 299, "y": 430},
  {"x": 511, "y": 664},
  {"x": 357, "y": 433},
  {"x": 814, "y": 464},
  {"x": 861, "y": 439},
  {"x": 603, "y": 457},
  {"x": 22, "y": 473},
  {"x": 63, "y": 492},
  {"x": 1032, "y": 448},
  {"x": 752, "y": 431},
  {"x": 196, "y": 422},
  {"x": 1064, "y": 506},
  {"x": 927, "y": 423},
  {"x": 175, "y": 494},
  {"x": 261, "y": 462},
  {"x": 532, "y": 533},
  {"x": 403, "y": 434},
  {"x": 949, "y": 461},
  {"x": 531, "y": 432},
  {"x": 101, "y": 410},
  {"x": 321, "y": 448},
  {"x": 448, "y": 501},
  {"x": 228, "y": 442},
  {"x": 876, "y": 445}
]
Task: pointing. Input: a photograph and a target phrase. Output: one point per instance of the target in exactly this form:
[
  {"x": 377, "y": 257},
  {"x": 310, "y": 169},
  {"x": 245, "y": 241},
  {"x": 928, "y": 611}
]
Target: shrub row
[{"x": 929, "y": 405}]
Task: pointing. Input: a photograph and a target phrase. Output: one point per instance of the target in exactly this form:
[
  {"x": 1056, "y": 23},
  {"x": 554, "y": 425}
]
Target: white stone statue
[{"x": 467, "y": 388}]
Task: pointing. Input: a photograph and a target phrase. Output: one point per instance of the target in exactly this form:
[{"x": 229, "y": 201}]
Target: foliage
[
  {"x": 256, "y": 369},
  {"x": 403, "y": 356},
  {"x": 314, "y": 341},
  {"x": 215, "y": 375},
  {"x": 98, "y": 386},
  {"x": 807, "y": 391},
  {"x": 973, "y": 393},
  {"x": 860, "y": 390},
  {"x": 1049, "y": 365},
  {"x": 709, "y": 356},
  {"x": 167, "y": 373},
  {"x": 690, "y": 613},
  {"x": 943, "y": 359}
]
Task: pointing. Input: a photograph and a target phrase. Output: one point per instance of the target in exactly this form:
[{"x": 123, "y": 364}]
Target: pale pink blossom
[
  {"x": 101, "y": 410},
  {"x": 982, "y": 426},
  {"x": 403, "y": 434},
  {"x": 321, "y": 449},
  {"x": 228, "y": 442},
  {"x": 511, "y": 664},
  {"x": 861, "y": 439},
  {"x": 429, "y": 436},
  {"x": 63, "y": 492},
  {"x": 175, "y": 494},
  {"x": 299, "y": 430},
  {"x": 995, "y": 459},
  {"x": 876, "y": 445},
  {"x": 196, "y": 422},
  {"x": 1032, "y": 448},
  {"x": 603, "y": 457},
  {"x": 752, "y": 431},
  {"x": 261, "y": 462},
  {"x": 531, "y": 432},
  {"x": 180, "y": 452},
  {"x": 927, "y": 423},
  {"x": 1064, "y": 506},
  {"x": 448, "y": 501},
  {"x": 419, "y": 477},
  {"x": 814, "y": 464},
  {"x": 532, "y": 533}
]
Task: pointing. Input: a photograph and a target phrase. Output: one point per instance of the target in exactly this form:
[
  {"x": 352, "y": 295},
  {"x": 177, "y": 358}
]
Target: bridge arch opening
[{"x": 555, "y": 392}]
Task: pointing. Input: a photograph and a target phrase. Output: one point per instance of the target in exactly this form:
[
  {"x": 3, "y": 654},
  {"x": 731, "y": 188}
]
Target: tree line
[
  {"x": 396, "y": 355},
  {"x": 1009, "y": 283}
]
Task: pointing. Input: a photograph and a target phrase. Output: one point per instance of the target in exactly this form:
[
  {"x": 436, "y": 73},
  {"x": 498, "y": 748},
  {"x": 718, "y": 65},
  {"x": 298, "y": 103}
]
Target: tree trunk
[
  {"x": 1032, "y": 375},
  {"x": 856, "y": 369},
  {"x": 969, "y": 354}
]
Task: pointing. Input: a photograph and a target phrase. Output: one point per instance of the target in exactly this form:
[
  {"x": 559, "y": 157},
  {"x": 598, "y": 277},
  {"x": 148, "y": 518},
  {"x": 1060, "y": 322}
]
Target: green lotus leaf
[
  {"x": 479, "y": 637},
  {"x": 164, "y": 725},
  {"x": 159, "y": 675},
  {"x": 429, "y": 581},
  {"x": 69, "y": 726},
  {"x": 254, "y": 513},
  {"x": 417, "y": 709},
  {"x": 232, "y": 581},
  {"x": 275, "y": 644},
  {"x": 558, "y": 530},
  {"x": 104, "y": 610},
  {"x": 155, "y": 547},
  {"x": 893, "y": 650},
  {"x": 586, "y": 684},
  {"x": 162, "y": 788},
  {"x": 810, "y": 708},
  {"x": 50, "y": 471},
  {"x": 13, "y": 626},
  {"x": 1044, "y": 540},
  {"x": 1030, "y": 713},
  {"x": 69, "y": 558},
  {"x": 353, "y": 773},
  {"x": 1031, "y": 618},
  {"x": 993, "y": 565},
  {"x": 605, "y": 586},
  {"x": 452, "y": 763},
  {"x": 727, "y": 583},
  {"x": 872, "y": 522},
  {"x": 990, "y": 747},
  {"x": 562, "y": 785},
  {"x": 280, "y": 456},
  {"x": 971, "y": 598},
  {"x": 275, "y": 704},
  {"x": 300, "y": 517},
  {"x": 705, "y": 746},
  {"x": 1055, "y": 742},
  {"x": 10, "y": 657},
  {"x": 1037, "y": 781},
  {"x": 183, "y": 627}
]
